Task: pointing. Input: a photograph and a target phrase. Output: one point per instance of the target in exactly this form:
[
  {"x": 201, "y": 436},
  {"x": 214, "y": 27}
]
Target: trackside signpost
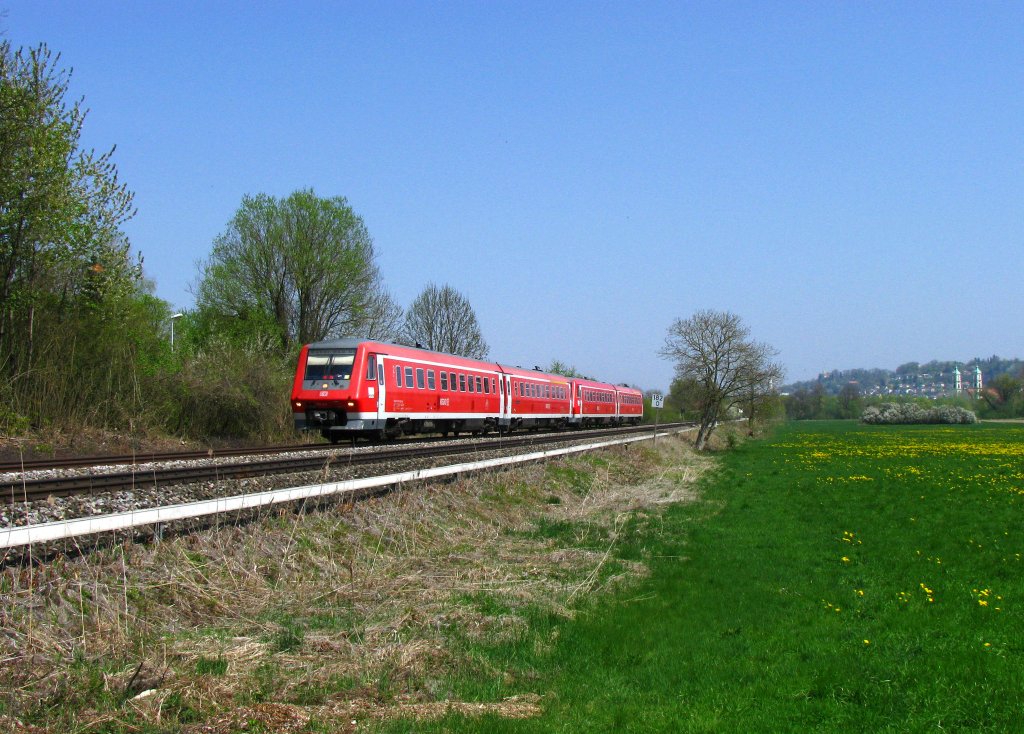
[{"x": 657, "y": 403}]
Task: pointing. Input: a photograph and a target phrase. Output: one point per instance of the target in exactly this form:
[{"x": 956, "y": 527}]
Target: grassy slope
[{"x": 838, "y": 577}]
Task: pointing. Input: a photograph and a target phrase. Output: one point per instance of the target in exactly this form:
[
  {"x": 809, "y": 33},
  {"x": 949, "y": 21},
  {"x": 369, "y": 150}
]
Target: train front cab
[{"x": 335, "y": 391}]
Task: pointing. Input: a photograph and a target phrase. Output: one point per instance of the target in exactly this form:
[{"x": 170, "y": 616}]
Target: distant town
[{"x": 935, "y": 379}]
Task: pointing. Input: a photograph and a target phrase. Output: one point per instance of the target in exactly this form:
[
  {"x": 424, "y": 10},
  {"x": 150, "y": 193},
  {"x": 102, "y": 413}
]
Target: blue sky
[{"x": 847, "y": 177}]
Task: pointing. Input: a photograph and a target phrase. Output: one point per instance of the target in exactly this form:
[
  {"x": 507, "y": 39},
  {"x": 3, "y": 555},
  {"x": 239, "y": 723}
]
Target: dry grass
[{"x": 348, "y": 613}]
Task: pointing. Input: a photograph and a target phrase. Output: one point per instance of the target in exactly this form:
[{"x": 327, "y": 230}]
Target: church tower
[
  {"x": 977, "y": 381},
  {"x": 957, "y": 384}
]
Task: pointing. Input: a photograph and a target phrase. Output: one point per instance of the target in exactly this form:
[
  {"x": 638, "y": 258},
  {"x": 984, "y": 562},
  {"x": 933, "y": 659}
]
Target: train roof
[
  {"x": 403, "y": 350},
  {"x": 399, "y": 349}
]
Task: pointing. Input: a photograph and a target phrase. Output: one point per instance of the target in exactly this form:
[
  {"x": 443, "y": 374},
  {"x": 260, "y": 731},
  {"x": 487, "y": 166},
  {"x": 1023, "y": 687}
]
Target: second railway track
[{"x": 32, "y": 490}]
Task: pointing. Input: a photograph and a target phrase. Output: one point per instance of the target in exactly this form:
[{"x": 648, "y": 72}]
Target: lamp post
[{"x": 174, "y": 318}]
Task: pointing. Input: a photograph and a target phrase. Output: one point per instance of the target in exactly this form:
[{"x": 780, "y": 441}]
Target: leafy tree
[
  {"x": 713, "y": 351},
  {"x": 61, "y": 208},
  {"x": 849, "y": 400},
  {"x": 75, "y": 321},
  {"x": 561, "y": 368},
  {"x": 1003, "y": 395},
  {"x": 684, "y": 395},
  {"x": 442, "y": 319},
  {"x": 299, "y": 269}
]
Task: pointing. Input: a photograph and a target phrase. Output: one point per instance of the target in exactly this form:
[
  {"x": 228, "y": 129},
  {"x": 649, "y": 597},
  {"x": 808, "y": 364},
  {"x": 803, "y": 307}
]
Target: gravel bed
[
  {"x": 143, "y": 468},
  {"x": 55, "y": 509}
]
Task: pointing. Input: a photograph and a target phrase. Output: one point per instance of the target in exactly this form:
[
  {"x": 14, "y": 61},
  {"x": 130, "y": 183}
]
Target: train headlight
[{"x": 351, "y": 403}]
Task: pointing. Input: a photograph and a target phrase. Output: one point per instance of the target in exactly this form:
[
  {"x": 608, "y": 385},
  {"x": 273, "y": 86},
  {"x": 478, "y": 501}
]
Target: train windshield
[{"x": 330, "y": 365}]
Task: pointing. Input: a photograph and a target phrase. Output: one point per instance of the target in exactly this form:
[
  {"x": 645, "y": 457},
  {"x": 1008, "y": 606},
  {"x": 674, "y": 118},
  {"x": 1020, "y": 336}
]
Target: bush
[
  {"x": 905, "y": 413},
  {"x": 227, "y": 391}
]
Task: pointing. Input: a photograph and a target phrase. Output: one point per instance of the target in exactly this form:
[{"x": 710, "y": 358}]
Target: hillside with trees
[
  {"x": 928, "y": 379},
  {"x": 846, "y": 393}
]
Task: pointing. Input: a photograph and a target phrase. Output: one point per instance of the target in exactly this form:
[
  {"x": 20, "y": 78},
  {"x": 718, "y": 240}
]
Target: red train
[{"x": 350, "y": 387}]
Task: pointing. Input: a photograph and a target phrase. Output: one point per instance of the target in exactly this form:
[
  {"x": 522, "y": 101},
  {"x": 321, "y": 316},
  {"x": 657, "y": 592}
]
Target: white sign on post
[{"x": 657, "y": 401}]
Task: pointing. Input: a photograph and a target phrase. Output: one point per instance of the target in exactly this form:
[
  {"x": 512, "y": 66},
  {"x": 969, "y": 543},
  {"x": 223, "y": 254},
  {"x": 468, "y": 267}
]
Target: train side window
[
  {"x": 398, "y": 376},
  {"x": 431, "y": 384},
  {"x": 371, "y": 368},
  {"x": 444, "y": 382},
  {"x": 478, "y": 386},
  {"x": 408, "y": 376},
  {"x": 419, "y": 378},
  {"x": 462, "y": 383},
  {"x": 471, "y": 384}
]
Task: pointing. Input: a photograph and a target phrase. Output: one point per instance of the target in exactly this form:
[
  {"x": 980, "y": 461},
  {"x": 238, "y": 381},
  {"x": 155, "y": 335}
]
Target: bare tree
[
  {"x": 442, "y": 319},
  {"x": 714, "y": 354},
  {"x": 383, "y": 317}
]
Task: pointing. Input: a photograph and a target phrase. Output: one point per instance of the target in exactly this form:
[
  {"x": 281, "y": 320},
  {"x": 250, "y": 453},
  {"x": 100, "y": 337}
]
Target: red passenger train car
[{"x": 352, "y": 387}]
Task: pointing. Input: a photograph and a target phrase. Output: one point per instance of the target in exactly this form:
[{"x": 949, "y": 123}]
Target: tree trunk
[{"x": 708, "y": 421}]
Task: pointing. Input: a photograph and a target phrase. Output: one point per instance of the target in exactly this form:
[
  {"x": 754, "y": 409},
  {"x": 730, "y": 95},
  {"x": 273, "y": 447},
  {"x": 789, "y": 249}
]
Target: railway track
[
  {"x": 32, "y": 490},
  {"x": 7, "y": 467}
]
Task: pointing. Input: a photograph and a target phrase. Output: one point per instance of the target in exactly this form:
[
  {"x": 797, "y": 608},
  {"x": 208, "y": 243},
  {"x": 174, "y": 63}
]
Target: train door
[
  {"x": 506, "y": 397},
  {"x": 381, "y": 379},
  {"x": 501, "y": 396}
]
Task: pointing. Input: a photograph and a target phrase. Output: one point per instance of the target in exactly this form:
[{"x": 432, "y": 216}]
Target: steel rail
[
  {"x": 7, "y": 467},
  {"x": 32, "y": 490}
]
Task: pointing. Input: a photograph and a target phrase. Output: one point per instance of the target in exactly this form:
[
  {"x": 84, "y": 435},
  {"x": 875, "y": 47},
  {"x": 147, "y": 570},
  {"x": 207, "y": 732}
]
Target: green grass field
[{"x": 835, "y": 577}]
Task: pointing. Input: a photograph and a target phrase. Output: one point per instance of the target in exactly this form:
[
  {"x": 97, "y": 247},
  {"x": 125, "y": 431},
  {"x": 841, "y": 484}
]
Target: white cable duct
[{"x": 44, "y": 532}]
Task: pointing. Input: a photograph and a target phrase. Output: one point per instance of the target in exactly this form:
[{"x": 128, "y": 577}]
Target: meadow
[{"x": 834, "y": 577}]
